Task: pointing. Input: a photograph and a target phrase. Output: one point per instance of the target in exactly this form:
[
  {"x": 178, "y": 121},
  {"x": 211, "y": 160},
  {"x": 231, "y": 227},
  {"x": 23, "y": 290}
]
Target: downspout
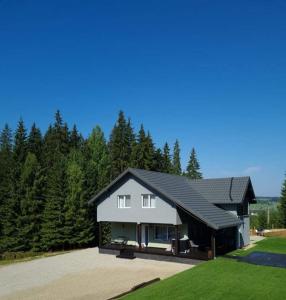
[{"x": 230, "y": 188}]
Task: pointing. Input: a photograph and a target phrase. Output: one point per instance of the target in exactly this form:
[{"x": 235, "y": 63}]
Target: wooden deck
[{"x": 193, "y": 254}]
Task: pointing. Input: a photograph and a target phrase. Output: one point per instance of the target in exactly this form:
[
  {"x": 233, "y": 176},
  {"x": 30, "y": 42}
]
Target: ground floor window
[{"x": 164, "y": 232}]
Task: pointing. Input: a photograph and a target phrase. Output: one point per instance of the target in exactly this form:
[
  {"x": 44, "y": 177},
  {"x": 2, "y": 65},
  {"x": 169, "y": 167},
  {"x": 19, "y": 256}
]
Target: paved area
[
  {"x": 265, "y": 259},
  {"x": 83, "y": 274},
  {"x": 256, "y": 238}
]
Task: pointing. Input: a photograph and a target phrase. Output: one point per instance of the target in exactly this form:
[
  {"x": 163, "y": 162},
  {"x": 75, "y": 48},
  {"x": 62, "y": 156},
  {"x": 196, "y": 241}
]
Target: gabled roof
[
  {"x": 193, "y": 196},
  {"x": 224, "y": 190}
]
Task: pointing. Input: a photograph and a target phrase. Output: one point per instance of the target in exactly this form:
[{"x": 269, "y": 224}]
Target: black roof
[{"x": 196, "y": 197}]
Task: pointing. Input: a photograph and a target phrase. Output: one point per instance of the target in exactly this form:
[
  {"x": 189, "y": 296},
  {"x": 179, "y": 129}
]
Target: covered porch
[{"x": 158, "y": 239}]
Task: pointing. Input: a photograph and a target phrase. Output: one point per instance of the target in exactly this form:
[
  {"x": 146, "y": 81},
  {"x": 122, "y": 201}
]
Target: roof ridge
[{"x": 185, "y": 177}]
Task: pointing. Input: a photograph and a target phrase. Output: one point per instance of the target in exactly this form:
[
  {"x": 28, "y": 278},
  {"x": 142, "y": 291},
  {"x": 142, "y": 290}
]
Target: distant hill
[
  {"x": 267, "y": 199},
  {"x": 264, "y": 203}
]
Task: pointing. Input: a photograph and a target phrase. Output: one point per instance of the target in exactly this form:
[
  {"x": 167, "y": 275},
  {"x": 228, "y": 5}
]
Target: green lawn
[
  {"x": 271, "y": 244},
  {"x": 223, "y": 278}
]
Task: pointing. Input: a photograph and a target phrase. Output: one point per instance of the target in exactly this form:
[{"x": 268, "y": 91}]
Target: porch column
[
  {"x": 99, "y": 235},
  {"x": 177, "y": 236},
  {"x": 139, "y": 235},
  {"x": 213, "y": 244}
]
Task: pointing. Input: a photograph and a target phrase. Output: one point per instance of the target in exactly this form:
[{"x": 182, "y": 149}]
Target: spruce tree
[
  {"x": 99, "y": 161},
  {"x": 20, "y": 146},
  {"x": 193, "y": 168},
  {"x": 120, "y": 145},
  {"x": 53, "y": 235},
  {"x": 167, "y": 164},
  {"x": 12, "y": 209},
  {"x": 6, "y": 188},
  {"x": 56, "y": 140},
  {"x": 78, "y": 224},
  {"x": 6, "y": 164},
  {"x": 158, "y": 161},
  {"x": 76, "y": 140},
  {"x": 143, "y": 153},
  {"x": 34, "y": 144},
  {"x": 176, "y": 159},
  {"x": 282, "y": 205},
  {"x": 32, "y": 201}
]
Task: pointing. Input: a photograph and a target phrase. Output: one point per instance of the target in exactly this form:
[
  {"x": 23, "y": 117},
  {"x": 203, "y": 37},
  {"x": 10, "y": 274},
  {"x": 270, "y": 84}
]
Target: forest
[{"x": 47, "y": 179}]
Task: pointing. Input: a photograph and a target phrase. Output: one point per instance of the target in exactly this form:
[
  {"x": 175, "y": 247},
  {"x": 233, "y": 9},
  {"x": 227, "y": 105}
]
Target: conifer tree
[
  {"x": 53, "y": 236},
  {"x": 34, "y": 144},
  {"x": 6, "y": 164},
  {"x": 282, "y": 205},
  {"x": 78, "y": 224},
  {"x": 32, "y": 201},
  {"x": 176, "y": 159},
  {"x": 76, "y": 140},
  {"x": 167, "y": 164},
  {"x": 12, "y": 209},
  {"x": 193, "y": 168},
  {"x": 143, "y": 152},
  {"x": 120, "y": 144},
  {"x": 56, "y": 141},
  {"x": 6, "y": 173},
  {"x": 99, "y": 161},
  {"x": 20, "y": 146},
  {"x": 158, "y": 161}
]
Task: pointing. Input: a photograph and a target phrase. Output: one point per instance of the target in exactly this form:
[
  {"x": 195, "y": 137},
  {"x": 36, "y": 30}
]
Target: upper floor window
[
  {"x": 148, "y": 201},
  {"x": 124, "y": 201}
]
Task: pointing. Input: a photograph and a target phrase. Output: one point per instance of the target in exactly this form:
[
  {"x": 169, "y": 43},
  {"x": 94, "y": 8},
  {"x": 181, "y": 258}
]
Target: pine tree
[
  {"x": 56, "y": 140},
  {"x": 99, "y": 161},
  {"x": 34, "y": 144},
  {"x": 76, "y": 139},
  {"x": 193, "y": 168},
  {"x": 32, "y": 186},
  {"x": 282, "y": 205},
  {"x": 78, "y": 225},
  {"x": 6, "y": 164},
  {"x": 6, "y": 173},
  {"x": 158, "y": 161},
  {"x": 176, "y": 159},
  {"x": 12, "y": 208},
  {"x": 143, "y": 152},
  {"x": 53, "y": 236},
  {"x": 167, "y": 164},
  {"x": 20, "y": 147},
  {"x": 120, "y": 145}
]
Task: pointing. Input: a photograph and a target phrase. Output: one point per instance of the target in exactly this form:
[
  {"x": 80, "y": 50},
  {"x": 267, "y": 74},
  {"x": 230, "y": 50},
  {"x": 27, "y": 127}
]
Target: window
[
  {"x": 124, "y": 201},
  {"x": 164, "y": 233},
  {"x": 148, "y": 201}
]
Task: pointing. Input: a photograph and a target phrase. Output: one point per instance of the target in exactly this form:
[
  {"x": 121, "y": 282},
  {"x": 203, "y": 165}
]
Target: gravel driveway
[{"x": 82, "y": 274}]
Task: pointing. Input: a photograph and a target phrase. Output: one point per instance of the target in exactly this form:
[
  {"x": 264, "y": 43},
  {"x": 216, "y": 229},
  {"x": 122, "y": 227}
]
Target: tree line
[
  {"x": 271, "y": 218},
  {"x": 47, "y": 179}
]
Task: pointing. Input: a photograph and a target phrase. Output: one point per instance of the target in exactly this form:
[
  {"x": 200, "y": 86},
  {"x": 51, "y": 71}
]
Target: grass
[
  {"x": 4, "y": 262},
  {"x": 223, "y": 278},
  {"x": 271, "y": 244}
]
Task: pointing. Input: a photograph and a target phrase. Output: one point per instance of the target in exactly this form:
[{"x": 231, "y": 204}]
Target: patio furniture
[
  {"x": 194, "y": 247},
  {"x": 184, "y": 244},
  {"x": 120, "y": 240}
]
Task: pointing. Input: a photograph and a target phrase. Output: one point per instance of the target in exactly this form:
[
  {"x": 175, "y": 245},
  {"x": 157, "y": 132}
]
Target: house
[{"x": 157, "y": 213}]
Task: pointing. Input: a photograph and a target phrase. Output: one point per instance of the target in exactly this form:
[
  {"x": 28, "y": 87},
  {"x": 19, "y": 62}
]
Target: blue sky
[{"x": 210, "y": 73}]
